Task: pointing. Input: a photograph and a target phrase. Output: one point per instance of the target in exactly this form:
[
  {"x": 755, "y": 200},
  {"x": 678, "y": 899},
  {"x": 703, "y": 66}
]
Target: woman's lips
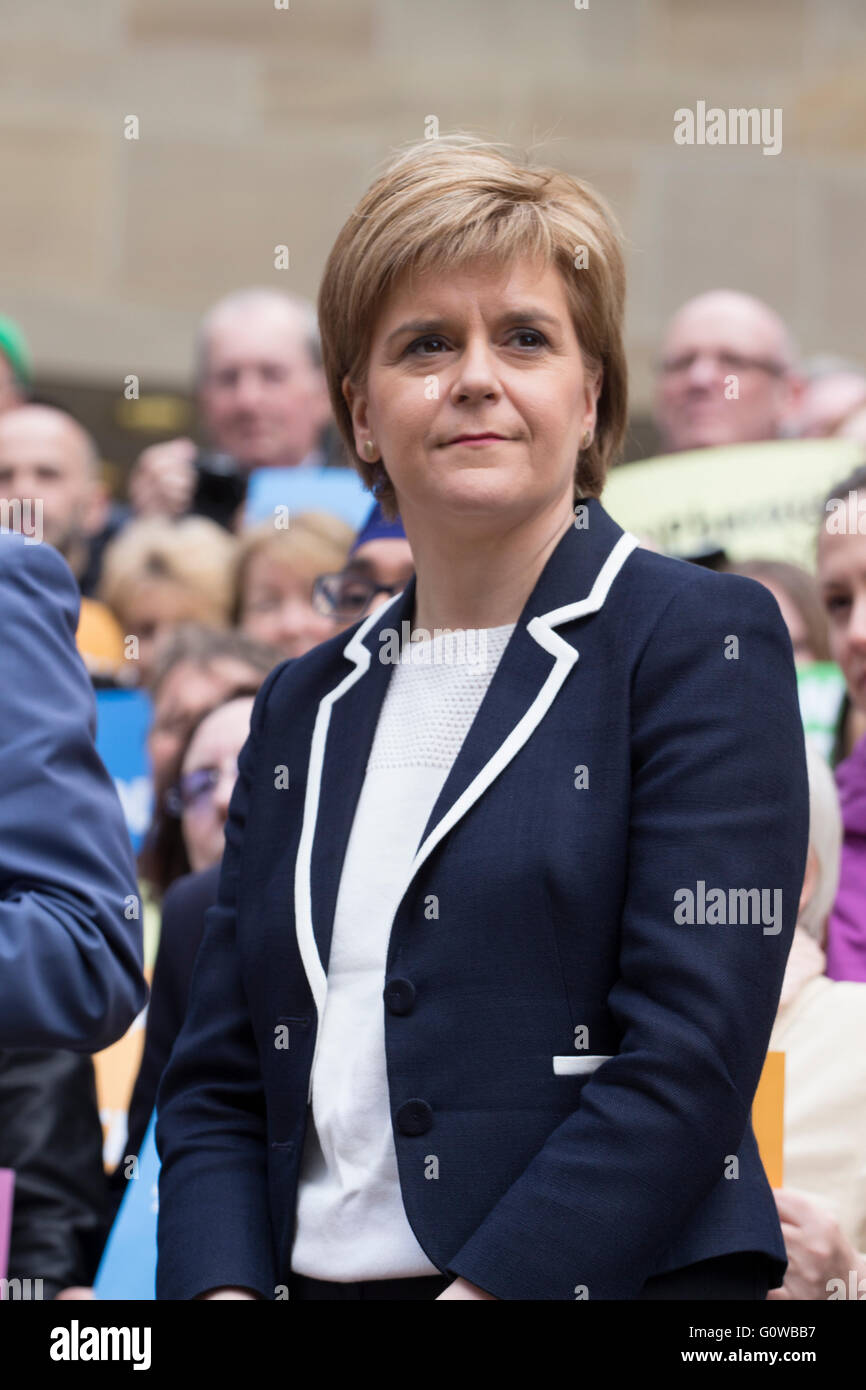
[{"x": 477, "y": 439}]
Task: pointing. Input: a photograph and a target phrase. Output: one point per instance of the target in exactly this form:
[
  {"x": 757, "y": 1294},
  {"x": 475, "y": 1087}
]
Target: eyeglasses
[
  {"x": 732, "y": 362},
  {"x": 194, "y": 789},
  {"x": 347, "y": 597}
]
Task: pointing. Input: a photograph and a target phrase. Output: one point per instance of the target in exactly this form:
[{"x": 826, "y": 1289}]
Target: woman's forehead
[{"x": 485, "y": 277}]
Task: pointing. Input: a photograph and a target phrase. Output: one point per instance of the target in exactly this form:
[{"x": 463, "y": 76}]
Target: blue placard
[
  {"x": 122, "y": 722},
  {"x": 335, "y": 490},
  {"x": 127, "y": 1269}
]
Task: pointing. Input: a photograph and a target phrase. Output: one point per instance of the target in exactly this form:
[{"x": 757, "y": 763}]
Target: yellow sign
[
  {"x": 755, "y": 501},
  {"x": 768, "y": 1116}
]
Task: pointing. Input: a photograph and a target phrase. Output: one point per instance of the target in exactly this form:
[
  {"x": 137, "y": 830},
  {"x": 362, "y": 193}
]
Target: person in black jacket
[
  {"x": 51, "y": 1136},
  {"x": 184, "y": 907}
]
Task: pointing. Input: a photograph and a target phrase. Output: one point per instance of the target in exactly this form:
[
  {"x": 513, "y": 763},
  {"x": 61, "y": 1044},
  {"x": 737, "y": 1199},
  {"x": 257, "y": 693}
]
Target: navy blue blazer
[
  {"x": 579, "y": 1057},
  {"x": 70, "y": 925}
]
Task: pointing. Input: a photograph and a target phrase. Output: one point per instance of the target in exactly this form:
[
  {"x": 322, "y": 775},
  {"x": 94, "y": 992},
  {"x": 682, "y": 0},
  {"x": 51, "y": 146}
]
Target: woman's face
[
  {"x": 842, "y": 577},
  {"x": 277, "y": 607},
  {"x": 208, "y": 775},
  {"x": 481, "y": 351},
  {"x": 156, "y": 608},
  {"x": 186, "y": 692}
]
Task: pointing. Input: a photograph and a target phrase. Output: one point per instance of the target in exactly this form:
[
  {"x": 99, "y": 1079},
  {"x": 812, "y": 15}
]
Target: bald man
[
  {"x": 47, "y": 458},
  {"x": 726, "y": 374},
  {"x": 261, "y": 396},
  {"x": 51, "y": 490}
]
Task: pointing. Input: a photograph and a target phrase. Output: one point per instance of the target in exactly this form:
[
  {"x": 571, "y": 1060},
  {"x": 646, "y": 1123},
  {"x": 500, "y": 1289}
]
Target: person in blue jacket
[
  {"x": 512, "y": 866},
  {"x": 70, "y": 923}
]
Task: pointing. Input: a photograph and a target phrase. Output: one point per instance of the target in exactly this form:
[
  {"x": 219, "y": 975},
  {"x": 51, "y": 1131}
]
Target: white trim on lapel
[
  {"x": 541, "y": 629},
  {"x": 315, "y": 972}
]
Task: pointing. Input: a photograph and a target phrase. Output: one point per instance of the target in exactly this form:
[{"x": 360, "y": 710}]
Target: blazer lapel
[
  {"x": 530, "y": 674},
  {"x": 532, "y": 668},
  {"x": 342, "y": 738}
]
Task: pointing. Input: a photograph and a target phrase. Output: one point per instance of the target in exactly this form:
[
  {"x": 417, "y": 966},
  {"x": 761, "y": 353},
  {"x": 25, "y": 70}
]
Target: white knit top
[{"x": 350, "y": 1220}]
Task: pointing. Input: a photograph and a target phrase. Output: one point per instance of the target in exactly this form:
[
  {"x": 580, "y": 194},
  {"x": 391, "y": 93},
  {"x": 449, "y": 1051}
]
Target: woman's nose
[
  {"x": 299, "y": 619},
  {"x": 477, "y": 372},
  {"x": 223, "y": 792}
]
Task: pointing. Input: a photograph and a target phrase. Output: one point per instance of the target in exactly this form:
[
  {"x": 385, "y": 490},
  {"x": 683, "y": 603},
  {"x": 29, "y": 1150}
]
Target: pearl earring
[
  {"x": 587, "y": 440},
  {"x": 369, "y": 450}
]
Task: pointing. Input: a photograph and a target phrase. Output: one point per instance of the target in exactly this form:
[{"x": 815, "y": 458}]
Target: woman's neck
[{"x": 467, "y": 580}]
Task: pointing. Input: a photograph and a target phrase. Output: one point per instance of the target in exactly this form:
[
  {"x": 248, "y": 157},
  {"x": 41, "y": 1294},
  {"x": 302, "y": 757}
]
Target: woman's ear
[
  {"x": 592, "y": 390},
  {"x": 357, "y": 403}
]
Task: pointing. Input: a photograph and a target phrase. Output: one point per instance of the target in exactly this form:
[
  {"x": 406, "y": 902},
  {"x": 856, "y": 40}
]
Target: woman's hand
[
  {"x": 461, "y": 1288},
  {"x": 817, "y": 1249}
]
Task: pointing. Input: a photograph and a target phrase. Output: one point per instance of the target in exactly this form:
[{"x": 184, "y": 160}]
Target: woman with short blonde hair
[
  {"x": 447, "y": 204},
  {"x": 276, "y": 570},
  {"x": 159, "y": 573},
  {"x": 484, "y": 1001}
]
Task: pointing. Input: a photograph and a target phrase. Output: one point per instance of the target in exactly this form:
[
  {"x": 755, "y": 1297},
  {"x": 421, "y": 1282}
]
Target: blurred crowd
[{"x": 189, "y": 599}]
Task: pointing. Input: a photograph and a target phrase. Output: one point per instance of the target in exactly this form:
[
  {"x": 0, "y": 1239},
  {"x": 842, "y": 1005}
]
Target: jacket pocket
[{"x": 577, "y": 1065}]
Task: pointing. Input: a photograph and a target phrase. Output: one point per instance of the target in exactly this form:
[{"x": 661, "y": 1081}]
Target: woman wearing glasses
[
  {"x": 453, "y": 1032},
  {"x": 275, "y": 577},
  {"x": 378, "y": 567},
  {"x": 284, "y": 599}
]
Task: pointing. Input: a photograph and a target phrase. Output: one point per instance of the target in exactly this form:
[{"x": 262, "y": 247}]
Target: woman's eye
[
  {"x": 421, "y": 342},
  {"x": 834, "y": 604},
  {"x": 536, "y": 339},
  {"x": 539, "y": 338}
]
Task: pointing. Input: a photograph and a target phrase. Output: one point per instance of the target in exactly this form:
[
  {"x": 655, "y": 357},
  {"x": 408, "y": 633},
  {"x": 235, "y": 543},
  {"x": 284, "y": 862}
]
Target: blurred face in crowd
[
  {"x": 208, "y": 775},
  {"x": 374, "y": 573},
  {"x": 277, "y": 606},
  {"x": 502, "y": 346},
  {"x": 10, "y": 391},
  {"x": 715, "y": 338},
  {"x": 262, "y": 400},
  {"x": 793, "y": 618},
  {"x": 153, "y": 612},
  {"x": 842, "y": 577},
  {"x": 45, "y": 455},
  {"x": 186, "y": 691},
  {"x": 827, "y": 403}
]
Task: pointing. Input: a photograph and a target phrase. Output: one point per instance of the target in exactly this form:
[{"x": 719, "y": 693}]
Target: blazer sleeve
[
  {"x": 211, "y": 1135},
  {"x": 720, "y": 794},
  {"x": 183, "y": 911},
  {"x": 70, "y": 927}
]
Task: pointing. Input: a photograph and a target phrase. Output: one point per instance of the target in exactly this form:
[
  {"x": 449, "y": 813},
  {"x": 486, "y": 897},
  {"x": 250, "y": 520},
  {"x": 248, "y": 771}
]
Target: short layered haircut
[{"x": 456, "y": 201}]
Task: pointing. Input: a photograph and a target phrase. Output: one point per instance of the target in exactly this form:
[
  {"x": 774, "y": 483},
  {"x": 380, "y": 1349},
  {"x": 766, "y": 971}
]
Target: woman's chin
[{"x": 479, "y": 494}]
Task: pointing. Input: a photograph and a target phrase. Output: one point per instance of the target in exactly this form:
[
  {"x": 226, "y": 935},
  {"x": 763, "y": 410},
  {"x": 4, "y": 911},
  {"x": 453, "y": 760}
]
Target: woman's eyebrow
[
  {"x": 522, "y": 315},
  {"x": 417, "y": 326},
  {"x": 510, "y": 316}
]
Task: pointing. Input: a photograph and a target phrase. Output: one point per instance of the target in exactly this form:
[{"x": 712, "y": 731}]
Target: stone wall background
[{"x": 261, "y": 126}]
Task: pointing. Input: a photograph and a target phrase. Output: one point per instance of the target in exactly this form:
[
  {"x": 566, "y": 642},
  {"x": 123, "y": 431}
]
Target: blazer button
[
  {"x": 414, "y": 1117},
  {"x": 399, "y": 996}
]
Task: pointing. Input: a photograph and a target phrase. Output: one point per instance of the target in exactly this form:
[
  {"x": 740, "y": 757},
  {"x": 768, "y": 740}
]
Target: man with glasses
[{"x": 726, "y": 374}]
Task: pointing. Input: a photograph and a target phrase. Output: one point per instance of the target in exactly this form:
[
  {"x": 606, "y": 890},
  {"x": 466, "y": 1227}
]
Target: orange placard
[{"x": 768, "y": 1116}]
